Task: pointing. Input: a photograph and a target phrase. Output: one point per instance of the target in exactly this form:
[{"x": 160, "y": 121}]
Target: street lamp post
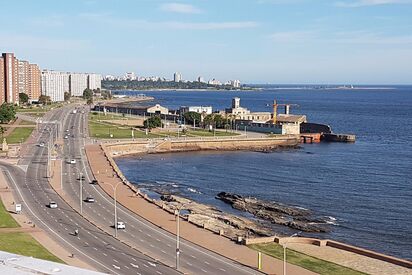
[
  {"x": 178, "y": 235},
  {"x": 115, "y": 205},
  {"x": 284, "y": 253},
  {"x": 81, "y": 189}
]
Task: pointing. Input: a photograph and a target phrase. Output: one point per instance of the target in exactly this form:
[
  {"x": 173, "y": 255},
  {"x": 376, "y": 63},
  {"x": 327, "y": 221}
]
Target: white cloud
[
  {"x": 180, "y": 8},
  {"x": 365, "y": 3}
]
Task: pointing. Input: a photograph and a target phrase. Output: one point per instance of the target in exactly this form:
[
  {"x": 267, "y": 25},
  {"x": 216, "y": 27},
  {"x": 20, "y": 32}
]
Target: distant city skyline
[{"x": 255, "y": 41}]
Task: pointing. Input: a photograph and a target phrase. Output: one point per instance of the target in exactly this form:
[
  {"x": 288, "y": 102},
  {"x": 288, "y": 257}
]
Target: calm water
[{"x": 366, "y": 186}]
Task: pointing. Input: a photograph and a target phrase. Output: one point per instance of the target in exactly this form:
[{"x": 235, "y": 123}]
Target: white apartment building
[
  {"x": 77, "y": 83},
  {"x": 177, "y": 77},
  {"x": 94, "y": 81},
  {"x": 54, "y": 84}
]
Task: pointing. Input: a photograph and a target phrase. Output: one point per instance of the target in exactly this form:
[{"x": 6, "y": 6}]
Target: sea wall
[{"x": 199, "y": 144}]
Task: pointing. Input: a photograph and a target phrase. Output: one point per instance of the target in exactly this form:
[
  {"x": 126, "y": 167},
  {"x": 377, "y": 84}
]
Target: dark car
[{"x": 93, "y": 182}]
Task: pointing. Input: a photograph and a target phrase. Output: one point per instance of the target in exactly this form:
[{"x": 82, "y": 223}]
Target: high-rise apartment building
[
  {"x": 78, "y": 83},
  {"x": 9, "y": 79},
  {"x": 18, "y": 76},
  {"x": 34, "y": 82},
  {"x": 54, "y": 84},
  {"x": 94, "y": 81},
  {"x": 177, "y": 77}
]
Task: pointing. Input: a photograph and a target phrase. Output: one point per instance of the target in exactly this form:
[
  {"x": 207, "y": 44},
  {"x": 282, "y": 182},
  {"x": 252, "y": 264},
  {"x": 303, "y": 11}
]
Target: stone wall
[{"x": 183, "y": 145}]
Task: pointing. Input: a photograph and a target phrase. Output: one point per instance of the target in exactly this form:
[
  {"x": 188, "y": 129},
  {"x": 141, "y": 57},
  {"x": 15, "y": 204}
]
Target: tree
[
  {"x": 23, "y": 98},
  {"x": 87, "y": 93},
  {"x": 2, "y": 132},
  {"x": 7, "y": 112},
  {"x": 152, "y": 122},
  {"x": 67, "y": 96},
  {"x": 192, "y": 117},
  {"x": 44, "y": 99}
]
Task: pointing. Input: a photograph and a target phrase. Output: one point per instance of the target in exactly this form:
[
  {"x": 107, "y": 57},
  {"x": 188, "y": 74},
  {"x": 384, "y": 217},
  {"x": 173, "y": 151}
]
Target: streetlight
[
  {"x": 81, "y": 188},
  {"x": 115, "y": 205},
  {"x": 284, "y": 253},
  {"x": 178, "y": 235}
]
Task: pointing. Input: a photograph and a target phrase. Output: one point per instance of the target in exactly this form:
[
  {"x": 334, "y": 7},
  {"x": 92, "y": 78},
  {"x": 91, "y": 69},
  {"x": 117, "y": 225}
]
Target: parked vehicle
[
  {"x": 94, "y": 182},
  {"x": 52, "y": 205}
]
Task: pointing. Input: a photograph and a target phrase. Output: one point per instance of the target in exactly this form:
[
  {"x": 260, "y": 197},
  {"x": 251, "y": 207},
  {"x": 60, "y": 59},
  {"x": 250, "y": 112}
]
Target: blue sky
[{"x": 256, "y": 41}]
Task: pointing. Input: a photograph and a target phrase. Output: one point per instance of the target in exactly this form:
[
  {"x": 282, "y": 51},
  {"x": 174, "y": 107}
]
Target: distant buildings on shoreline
[
  {"x": 19, "y": 76},
  {"x": 177, "y": 77}
]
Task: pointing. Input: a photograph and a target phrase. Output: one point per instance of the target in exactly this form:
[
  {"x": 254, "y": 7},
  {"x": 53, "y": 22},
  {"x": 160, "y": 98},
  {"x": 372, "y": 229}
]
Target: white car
[
  {"x": 121, "y": 225},
  {"x": 89, "y": 199},
  {"x": 52, "y": 204},
  {"x": 66, "y": 137},
  {"x": 41, "y": 144},
  {"x": 72, "y": 161}
]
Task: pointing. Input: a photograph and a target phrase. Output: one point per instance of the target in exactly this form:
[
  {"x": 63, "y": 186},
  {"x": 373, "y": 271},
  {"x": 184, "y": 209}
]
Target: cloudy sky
[{"x": 256, "y": 41}]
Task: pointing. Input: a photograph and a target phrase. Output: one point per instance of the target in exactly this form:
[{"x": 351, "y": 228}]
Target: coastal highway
[
  {"x": 139, "y": 233},
  {"x": 31, "y": 188}
]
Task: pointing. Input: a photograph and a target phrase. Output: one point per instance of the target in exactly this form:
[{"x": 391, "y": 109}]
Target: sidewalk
[{"x": 104, "y": 174}]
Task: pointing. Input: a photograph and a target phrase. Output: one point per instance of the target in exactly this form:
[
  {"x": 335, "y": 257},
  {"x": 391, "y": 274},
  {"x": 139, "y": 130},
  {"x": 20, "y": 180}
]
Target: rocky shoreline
[{"x": 233, "y": 226}]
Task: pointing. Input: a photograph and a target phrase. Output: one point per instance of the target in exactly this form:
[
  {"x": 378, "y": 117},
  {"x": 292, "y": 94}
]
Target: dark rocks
[{"x": 278, "y": 213}]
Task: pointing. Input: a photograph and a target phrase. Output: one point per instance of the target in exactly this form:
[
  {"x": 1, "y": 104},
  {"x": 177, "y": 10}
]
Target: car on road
[
  {"x": 52, "y": 205},
  {"x": 89, "y": 199},
  {"x": 82, "y": 178},
  {"x": 93, "y": 182},
  {"x": 66, "y": 137},
  {"x": 71, "y": 161},
  {"x": 41, "y": 144},
  {"x": 67, "y": 130},
  {"x": 121, "y": 225}
]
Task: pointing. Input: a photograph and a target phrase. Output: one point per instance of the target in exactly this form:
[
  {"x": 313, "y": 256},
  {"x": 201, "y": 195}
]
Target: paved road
[
  {"x": 139, "y": 233},
  {"x": 94, "y": 246}
]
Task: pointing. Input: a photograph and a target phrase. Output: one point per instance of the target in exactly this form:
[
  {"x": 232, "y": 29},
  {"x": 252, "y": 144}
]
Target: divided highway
[{"x": 98, "y": 248}]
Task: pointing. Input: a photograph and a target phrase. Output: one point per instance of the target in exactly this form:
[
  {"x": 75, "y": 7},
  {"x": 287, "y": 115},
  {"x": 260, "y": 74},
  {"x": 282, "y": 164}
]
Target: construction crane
[{"x": 275, "y": 109}]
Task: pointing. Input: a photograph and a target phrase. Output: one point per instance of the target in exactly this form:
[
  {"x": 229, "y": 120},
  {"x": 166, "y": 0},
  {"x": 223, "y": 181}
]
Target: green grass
[
  {"x": 25, "y": 122},
  {"x": 308, "y": 262},
  {"x": 19, "y": 134},
  {"x": 6, "y": 220},
  {"x": 109, "y": 116},
  {"x": 103, "y": 130},
  {"x": 24, "y": 244},
  {"x": 206, "y": 133}
]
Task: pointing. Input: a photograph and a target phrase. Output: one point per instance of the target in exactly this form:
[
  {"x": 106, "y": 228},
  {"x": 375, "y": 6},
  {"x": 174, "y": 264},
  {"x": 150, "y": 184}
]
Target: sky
[{"x": 255, "y": 41}]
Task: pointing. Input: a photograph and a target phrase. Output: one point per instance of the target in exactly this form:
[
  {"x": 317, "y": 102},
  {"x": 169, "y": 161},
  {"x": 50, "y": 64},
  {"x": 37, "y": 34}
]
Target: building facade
[
  {"x": 77, "y": 83},
  {"x": 54, "y": 84},
  {"x": 94, "y": 81},
  {"x": 197, "y": 109},
  {"x": 34, "y": 82},
  {"x": 177, "y": 77},
  {"x": 9, "y": 79}
]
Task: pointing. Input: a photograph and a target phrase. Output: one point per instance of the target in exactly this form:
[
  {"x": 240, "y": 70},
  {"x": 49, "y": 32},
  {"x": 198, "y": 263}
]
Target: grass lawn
[
  {"x": 21, "y": 243},
  {"x": 103, "y": 130},
  {"x": 25, "y": 122},
  {"x": 308, "y": 262},
  {"x": 206, "y": 133},
  {"x": 109, "y": 116},
  {"x": 24, "y": 244},
  {"x": 19, "y": 134},
  {"x": 6, "y": 220}
]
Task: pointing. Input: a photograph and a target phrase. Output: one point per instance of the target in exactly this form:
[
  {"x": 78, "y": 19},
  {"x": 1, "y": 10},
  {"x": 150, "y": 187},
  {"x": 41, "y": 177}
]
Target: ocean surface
[{"x": 365, "y": 186}]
